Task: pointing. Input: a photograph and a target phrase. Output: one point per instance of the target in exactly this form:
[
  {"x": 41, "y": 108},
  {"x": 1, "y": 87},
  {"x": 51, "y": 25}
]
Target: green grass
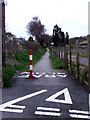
[
  {"x": 72, "y": 70},
  {"x": 56, "y": 62},
  {"x": 7, "y": 73},
  {"x": 83, "y": 76},
  {"x": 37, "y": 56},
  {"x": 23, "y": 58}
]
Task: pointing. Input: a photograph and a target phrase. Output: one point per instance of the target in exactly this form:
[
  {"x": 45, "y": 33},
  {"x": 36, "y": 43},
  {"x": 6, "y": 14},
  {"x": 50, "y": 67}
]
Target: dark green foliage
[
  {"x": 7, "y": 73},
  {"x": 72, "y": 70},
  {"x": 56, "y": 62},
  {"x": 83, "y": 76},
  {"x": 9, "y": 55}
]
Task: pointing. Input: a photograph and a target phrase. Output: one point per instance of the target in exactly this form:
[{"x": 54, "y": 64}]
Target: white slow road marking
[
  {"x": 24, "y": 76},
  {"x": 78, "y": 111},
  {"x": 50, "y": 76},
  {"x": 79, "y": 116},
  {"x": 25, "y": 73},
  {"x": 38, "y": 75},
  {"x": 63, "y": 76},
  {"x": 47, "y": 113},
  {"x": 3, "y": 107},
  {"x": 49, "y": 109},
  {"x": 60, "y": 73},
  {"x": 66, "y": 95}
]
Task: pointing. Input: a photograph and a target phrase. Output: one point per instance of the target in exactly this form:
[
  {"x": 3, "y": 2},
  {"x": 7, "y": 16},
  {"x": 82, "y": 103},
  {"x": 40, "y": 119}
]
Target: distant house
[
  {"x": 9, "y": 37},
  {"x": 83, "y": 44}
]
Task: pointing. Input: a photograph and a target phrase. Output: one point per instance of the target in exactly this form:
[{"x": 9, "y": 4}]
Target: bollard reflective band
[{"x": 30, "y": 62}]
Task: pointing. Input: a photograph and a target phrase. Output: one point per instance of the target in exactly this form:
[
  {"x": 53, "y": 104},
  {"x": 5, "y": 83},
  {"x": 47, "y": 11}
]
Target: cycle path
[{"x": 51, "y": 94}]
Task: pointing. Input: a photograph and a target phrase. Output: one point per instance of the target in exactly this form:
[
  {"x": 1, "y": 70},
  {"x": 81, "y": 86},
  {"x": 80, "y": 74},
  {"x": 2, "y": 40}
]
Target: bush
[{"x": 7, "y": 73}]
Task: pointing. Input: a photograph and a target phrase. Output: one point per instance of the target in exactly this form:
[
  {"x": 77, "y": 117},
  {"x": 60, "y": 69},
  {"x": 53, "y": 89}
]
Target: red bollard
[{"x": 30, "y": 61}]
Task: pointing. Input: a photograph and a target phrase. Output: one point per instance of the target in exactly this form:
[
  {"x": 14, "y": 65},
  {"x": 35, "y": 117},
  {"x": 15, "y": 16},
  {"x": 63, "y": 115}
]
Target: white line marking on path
[
  {"x": 47, "y": 113},
  {"x": 66, "y": 95},
  {"x": 78, "y": 111},
  {"x": 49, "y": 109},
  {"x": 79, "y": 116},
  {"x": 16, "y": 106},
  {"x": 3, "y": 107}
]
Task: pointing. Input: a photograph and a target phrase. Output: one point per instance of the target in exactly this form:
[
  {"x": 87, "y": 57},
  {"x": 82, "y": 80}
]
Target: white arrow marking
[
  {"x": 10, "y": 103},
  {"x": 66, "y": 95}
]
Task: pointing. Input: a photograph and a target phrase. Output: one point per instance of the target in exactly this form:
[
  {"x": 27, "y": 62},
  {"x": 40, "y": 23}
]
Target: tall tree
[{"x": 35, "y": 28}]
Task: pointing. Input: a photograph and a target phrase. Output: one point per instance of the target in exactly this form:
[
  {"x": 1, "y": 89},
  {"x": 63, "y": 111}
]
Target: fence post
[
  {"x": 65, "y": 58},
  {"x": 89, "y": 62},
  {"x": 70, "y": 56},
  {"x": 59, "y": 53},
  {"x": 30, "y": 61},
  {"x": 77, "y": 60}
]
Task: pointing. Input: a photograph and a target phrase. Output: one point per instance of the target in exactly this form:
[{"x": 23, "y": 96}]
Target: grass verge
[
  {"x": 23, "y": 58},
  {"x": 56, "y": 62}
]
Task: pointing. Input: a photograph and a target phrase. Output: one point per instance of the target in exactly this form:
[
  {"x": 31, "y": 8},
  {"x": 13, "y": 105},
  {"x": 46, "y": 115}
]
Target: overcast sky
[{"x": 70, "y": 15}]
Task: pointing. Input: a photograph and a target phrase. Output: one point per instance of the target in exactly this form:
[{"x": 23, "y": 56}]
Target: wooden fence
[{"x": 78, "y": 56}]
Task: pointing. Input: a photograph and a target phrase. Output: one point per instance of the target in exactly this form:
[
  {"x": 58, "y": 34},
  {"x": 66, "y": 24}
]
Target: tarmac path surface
[{"x": 51, "y": 94}]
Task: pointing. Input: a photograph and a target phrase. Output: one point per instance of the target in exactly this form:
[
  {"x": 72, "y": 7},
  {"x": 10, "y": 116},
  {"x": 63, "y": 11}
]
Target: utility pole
[
  {"x": 3, "y": 34},
  {"x": 89, "y": 45},
  {"x": 1, "y": 82}
]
